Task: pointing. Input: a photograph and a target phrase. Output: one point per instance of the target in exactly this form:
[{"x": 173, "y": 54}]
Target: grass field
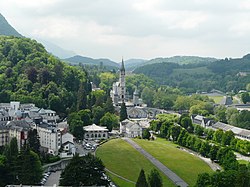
[
  {"x": 122, "y": 159},
  {"x": 243, "y": 162},
  {"x": 217, "y": 99},
  {"x": 182, "y": 163}
]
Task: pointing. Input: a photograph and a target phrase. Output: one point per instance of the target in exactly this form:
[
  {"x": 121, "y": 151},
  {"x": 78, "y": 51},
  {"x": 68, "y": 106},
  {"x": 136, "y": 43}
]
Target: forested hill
[
  {"x": 222, "y": 74},
  {"x": 75, "y": 60},
  {"x": 6, "y": 29},
  {"x": 31, "y": 75}
]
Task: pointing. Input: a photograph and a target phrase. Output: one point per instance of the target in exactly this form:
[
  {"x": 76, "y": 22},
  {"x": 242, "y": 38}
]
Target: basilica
[{"x": 119, "y": 94}]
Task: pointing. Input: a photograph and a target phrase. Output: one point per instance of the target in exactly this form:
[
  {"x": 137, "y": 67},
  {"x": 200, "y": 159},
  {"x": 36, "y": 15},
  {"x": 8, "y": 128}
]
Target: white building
[
  {"x": 130, "y": 129},
  {"x": 50, "y": 137},
  {"x": 95, "y": 132}
]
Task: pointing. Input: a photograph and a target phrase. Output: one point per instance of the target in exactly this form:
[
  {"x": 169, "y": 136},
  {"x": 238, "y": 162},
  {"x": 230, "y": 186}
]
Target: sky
[{"x": 136, "y": 28}]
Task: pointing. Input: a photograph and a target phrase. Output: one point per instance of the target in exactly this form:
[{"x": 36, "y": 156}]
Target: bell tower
[{"x": 122, "y": 83}]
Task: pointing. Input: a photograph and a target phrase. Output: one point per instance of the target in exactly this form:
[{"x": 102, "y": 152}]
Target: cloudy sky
[{"x": 136, "y": 28}]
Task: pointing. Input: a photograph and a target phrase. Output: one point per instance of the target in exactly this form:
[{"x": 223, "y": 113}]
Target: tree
[
  {"x": 218, "y": 135},
  {"x": 154, "y": 179},
  {"x": 203, "y": 180},
  {"x": 29, "y": 167},
  {"x": 98, "y": 113},
  {"x": 175, "y": 131},
  {"x": 227, "y": 137},
  {"x": 186, "y": 123},
  {"x": 213, "y": 152},
  {"x": 146, "y": 134},
  {"x": 4, "y": 170},
  {"x": 85, "y": 116},
  {"x": 123, "y": 112},
  {"x": 147, "y": 96},
  {"x": 141, "y": 181},
  {"x": 33, "y": 141},
  {"x": 83, "y": 171},
  {"x": 245, "y": 97},
  {"x": 109, "y": 120},
  {"x": 108, "y": 106},
  {"x": 220, "y": 113}
]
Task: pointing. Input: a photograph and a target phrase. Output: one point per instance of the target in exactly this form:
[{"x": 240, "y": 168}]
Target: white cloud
[{"x": 142, "y": 28}]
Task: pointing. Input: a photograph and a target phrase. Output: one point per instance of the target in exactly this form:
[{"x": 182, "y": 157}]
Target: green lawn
[
  {"x": 217, "y": 99},
  {"x": 243, "y": 162},
  {"x": 122, "y": 159},
  {"x": 182, "y": 163}
]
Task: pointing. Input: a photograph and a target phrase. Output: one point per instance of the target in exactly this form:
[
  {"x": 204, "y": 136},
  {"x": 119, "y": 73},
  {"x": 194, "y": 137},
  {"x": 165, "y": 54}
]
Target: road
[
  {"x": 171, "y": 175},
  {"x": 53, "y": 179}
]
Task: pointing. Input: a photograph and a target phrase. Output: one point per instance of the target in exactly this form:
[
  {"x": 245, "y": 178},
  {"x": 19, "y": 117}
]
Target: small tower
[
  {"x": 122, "y": 83},
  {"x": 136, "y": 98}
]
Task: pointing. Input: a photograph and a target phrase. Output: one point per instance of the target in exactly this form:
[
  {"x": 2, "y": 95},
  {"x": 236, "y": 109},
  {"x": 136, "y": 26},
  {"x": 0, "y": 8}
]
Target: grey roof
[{"x": 236, "y": 130}]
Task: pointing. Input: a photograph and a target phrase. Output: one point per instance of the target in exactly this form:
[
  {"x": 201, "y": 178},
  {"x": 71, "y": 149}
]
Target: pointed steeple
[{"x": 122, "y": 66}]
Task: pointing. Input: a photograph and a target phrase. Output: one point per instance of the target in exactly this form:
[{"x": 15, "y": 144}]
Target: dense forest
[
  {"x": 223, "y": 75},
  {"x": 31, "y": 75}
]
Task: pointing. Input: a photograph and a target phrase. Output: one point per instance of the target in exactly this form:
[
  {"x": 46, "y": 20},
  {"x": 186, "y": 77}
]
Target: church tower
[{"x": 122, "y": 83}]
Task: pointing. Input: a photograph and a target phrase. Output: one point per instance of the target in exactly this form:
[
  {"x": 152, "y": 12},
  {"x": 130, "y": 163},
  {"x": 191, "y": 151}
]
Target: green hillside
[
  {"x": 6, "y": 29},
  {"x": 29, "y": 74},
  {"x": 75, "y": 60},
  {"x": 223, "y": 75}
]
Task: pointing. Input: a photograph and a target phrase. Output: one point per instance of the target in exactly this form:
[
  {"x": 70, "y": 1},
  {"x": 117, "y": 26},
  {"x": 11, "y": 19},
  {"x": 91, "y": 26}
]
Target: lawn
[
  {"x": 217, "y": 99},
  {"x": 182, "y": 163},
  {"x": 121, "y": 158},
  {"x": 243, "y": 162}
]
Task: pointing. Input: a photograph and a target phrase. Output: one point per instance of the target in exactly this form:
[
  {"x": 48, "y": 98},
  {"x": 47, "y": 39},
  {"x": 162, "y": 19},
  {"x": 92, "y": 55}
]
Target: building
[
  {"x": 95, "y": 132},
  {"x": 130, "y": 129},
  {"x": 50, "y": 137},
  {"x": 118, "y": 93},
  {"x": 18, "y": 129},
  {"x": 211, "y": 124},
  {"x": 4, "y": 134}
]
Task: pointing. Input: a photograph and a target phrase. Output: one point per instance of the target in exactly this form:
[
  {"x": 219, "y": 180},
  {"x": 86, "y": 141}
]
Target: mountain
[
  {"x": 200, "y": 74},
  {"x": 131, "y": 64},
  {"x": 75, "y": 60},
  {"x": 182, "y": 60},
  {"x": 6, "y": 29},
  {"x": 56, "y": 50}
]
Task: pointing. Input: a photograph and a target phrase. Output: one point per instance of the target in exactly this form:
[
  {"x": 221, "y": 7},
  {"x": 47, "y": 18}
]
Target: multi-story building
[
  {"x": 50, "y": 137},
  {"x": 4, "y": 135},
  {"x": 18, "y": 129}
]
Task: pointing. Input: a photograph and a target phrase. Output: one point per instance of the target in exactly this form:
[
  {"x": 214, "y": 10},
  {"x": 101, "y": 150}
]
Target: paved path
[
  {"x": 211, "y": 164},
  {"x": 171, "y": 175},
  {"x": 119, "y": 176},
  {"x": 242, "y": 157},
  {"x": 53, "y": 179}
]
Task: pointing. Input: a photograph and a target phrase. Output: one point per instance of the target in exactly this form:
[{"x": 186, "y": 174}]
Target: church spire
[{"x": 122, "y": 66}]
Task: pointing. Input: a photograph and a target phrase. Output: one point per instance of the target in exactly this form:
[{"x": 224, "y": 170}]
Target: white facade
[
  {"x": 95, "y": 132},
  {"x": 50, "y": 138},
  {"x": 118, "y": 93},
  {"x": 130, "y": 129}
]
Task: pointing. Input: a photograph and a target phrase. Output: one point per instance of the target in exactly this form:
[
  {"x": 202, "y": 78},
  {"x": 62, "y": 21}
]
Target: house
[
  {"x": 69, "y": 147},
  {"x": 95, "y": 132},
  {"x": 67, "y": 137},
  {"x": 130, "y": 129},
  {"x": 50, "y": 137}
]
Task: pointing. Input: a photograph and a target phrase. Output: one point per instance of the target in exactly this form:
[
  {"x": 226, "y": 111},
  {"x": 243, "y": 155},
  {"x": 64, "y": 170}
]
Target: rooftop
[{"x": 95, "y": 127}]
